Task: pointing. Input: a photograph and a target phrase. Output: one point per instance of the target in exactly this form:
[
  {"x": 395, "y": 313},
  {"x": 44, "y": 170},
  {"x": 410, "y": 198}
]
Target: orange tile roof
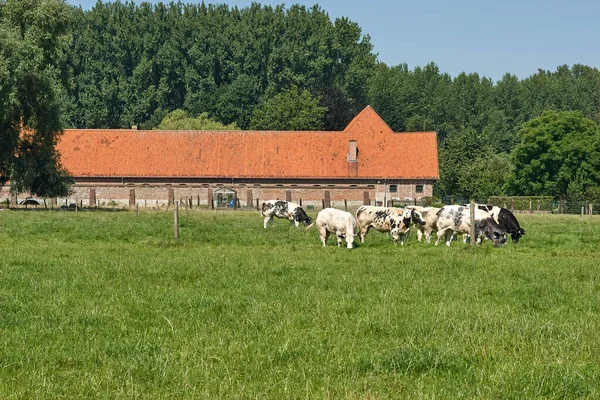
[{"x": 252, "y": 154}]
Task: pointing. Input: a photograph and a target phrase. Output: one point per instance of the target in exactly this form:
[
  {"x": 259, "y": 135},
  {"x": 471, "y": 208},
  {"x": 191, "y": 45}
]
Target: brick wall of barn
[{"x": 158, "y": 195}]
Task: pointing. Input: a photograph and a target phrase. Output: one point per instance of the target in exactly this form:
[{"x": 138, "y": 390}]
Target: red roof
[{"x": 252, "y": 154}]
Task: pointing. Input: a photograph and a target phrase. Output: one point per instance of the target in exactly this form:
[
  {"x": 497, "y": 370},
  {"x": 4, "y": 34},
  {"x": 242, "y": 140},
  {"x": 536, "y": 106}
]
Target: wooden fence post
[
  {"x": 176, "y": 220},
  {"x": 472, "y": 208},
  {"x": 327, "y": 199}
]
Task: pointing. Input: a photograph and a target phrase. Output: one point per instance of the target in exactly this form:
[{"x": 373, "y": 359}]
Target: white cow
[
  {"x": 429, "y": 215},
  {"x": 455, "y": 219},
  {"x": 284, "y": 209},
  {"x": 341, "y": 223},
  {"x": 387, "y": 219}
]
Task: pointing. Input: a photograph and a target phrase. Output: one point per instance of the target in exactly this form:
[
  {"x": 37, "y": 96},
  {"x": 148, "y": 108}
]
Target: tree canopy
[
  {"x": 559, "y": 155},
  {"x": 289, "y": 110},
  {"x": 180, "y": 120},
  {"x": 34, "y": 43}
]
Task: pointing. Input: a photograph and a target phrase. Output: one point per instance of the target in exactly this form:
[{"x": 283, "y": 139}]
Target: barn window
[
  {"x": 419, "y": 188},
  {"x": 393, "y": 188}
]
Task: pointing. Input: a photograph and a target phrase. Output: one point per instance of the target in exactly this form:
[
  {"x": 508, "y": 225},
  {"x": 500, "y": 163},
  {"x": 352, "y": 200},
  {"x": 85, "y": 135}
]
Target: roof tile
[{"x": 252, "y": 154}]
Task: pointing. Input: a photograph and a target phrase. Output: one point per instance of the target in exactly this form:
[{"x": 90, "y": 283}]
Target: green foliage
[
  {"x": 107, "y": 304},
  {"x": 559, "y": 155},
  {"x": 289, "y": 110},
  {"x": 180, "y": 120},
  {"x": 131, "y": 60},
  {"x": 485, "y": 176},
  {"x": 522, "y": 202},
  {"x": 34, "y": 40}
]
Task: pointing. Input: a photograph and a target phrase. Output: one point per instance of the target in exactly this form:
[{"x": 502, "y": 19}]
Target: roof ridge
[{"x": 359, "y": 116}]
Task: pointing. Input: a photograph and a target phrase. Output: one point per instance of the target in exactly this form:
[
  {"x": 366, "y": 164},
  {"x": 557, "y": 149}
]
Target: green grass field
[{"x": 109, "y": 305}]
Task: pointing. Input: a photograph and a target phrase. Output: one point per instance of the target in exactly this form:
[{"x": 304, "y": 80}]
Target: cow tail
[
  {"x": 359, "y": 211},
  {"x": 309, "y": 226}
]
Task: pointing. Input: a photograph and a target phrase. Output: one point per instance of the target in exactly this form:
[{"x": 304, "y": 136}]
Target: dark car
[{"x": 30, "y": 201}]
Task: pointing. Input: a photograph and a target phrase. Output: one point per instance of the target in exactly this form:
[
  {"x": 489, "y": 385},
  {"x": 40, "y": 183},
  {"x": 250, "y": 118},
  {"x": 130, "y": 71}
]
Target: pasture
[{"x": 109, "y": 305}]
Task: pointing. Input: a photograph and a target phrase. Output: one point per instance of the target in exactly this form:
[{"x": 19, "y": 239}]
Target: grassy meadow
[{"x": 108, "y": 305}]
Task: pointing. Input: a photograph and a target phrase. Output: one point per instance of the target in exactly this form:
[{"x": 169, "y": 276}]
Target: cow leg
[
  {"x": 449, "y": 236},
  {"x": 324, "y": 235},
  {"x": 428, "y": 233},
  {"x": 402, "y": 238},
  {"x": 268, "y": 220},
  {"x": 363, "y": 233},
  {"x": 440, "y": 233},
  {"x": 419, "y": 234}
]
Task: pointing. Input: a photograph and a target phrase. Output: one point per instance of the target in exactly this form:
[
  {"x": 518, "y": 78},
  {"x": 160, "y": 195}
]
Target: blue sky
[{"x": 487, "y": 37}]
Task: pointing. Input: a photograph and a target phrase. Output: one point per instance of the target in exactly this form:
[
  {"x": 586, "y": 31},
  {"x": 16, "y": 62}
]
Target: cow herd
[{"x": 491, "y": 222}]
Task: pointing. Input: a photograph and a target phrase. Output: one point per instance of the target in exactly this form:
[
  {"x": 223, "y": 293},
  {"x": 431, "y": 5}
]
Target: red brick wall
[{"x": 156, "y": 195}]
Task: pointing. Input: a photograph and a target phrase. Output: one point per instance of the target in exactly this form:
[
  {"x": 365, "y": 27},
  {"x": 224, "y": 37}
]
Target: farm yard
[{"x": 99, "y": 304}]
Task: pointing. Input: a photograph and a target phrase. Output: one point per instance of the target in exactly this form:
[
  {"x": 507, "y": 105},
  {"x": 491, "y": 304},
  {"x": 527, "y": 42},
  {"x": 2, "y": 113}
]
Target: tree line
[{"x": 262, "y": 67}]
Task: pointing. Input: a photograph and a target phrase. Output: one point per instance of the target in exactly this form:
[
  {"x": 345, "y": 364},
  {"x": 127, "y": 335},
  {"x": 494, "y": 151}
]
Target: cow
[
  {"x": 506, "y": 219},
  {"x": 341, "y": 223},
  {"x": 429, "y": 215},
  {"x": 387, "y": 219},
  {"x": 284, "y": 209},
  {"x": 457, "y": 219}
]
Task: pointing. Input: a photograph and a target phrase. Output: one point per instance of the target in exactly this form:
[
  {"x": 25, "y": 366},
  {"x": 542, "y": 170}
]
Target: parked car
[{"x": 30, "y": 201}]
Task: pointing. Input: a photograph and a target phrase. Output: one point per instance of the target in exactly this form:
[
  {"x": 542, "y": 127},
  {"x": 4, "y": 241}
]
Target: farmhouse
[{"x": 365, "y": 163}]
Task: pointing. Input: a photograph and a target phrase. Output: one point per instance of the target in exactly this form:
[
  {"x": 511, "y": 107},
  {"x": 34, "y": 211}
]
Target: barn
[{"x": 365, "y": 163}]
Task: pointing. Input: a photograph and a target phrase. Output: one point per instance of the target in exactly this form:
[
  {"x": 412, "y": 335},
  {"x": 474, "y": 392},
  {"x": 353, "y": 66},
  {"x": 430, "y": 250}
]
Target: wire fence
[{"x": 533, "y": 205}]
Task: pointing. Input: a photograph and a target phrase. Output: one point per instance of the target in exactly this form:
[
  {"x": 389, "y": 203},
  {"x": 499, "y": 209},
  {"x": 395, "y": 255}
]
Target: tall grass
[{"x": 109, "y": 305}]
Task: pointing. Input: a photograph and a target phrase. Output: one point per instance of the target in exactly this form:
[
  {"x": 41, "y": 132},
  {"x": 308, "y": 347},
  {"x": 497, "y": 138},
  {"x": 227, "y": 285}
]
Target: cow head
[
  {"x": 416, "y": 217},
  {"x": 492, "y": 231},
  {"x": 301, "y": 216},
  {"x": 349, "y": 238},
  {"x": 350, "y": 243},
  {"x": 517, "y": 235}
]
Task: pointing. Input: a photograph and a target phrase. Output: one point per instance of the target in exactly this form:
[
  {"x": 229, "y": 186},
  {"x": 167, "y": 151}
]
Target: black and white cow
[
  {"x": 387, "y": 219},
  {"x": 341, "y": 223},
  {"x": 284, "y": 209},
  {"x": 429, "y": 215},
  {"x": 455, "y": 219},
  {"x": 506, "y": 219}
]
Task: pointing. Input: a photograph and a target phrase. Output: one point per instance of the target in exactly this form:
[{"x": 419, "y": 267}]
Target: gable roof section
[{"x": 252, "y": 154}]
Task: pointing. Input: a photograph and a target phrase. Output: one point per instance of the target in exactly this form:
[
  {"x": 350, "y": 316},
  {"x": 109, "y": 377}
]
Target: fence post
[
  {"x": 346, "y": 204},
  {"x": 472, "y": 208},
  {"x": 176, "y": 220},
  {"x": 582, "y": 207},
  {"x": 587, "y": 207}
]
